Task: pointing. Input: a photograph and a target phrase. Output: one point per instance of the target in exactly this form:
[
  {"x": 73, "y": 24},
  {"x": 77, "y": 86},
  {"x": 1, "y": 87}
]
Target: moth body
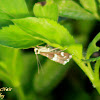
[{"x": 57, "y": 56}]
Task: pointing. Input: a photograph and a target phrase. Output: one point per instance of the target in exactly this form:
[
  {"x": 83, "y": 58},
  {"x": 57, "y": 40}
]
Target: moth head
[{"x": 36, "y": 50}]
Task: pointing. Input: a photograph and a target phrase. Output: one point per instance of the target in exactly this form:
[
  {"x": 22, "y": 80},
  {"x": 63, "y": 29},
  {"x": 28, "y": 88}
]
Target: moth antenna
[
  {"x": 63, "y": 50},
  {"x": 37, "y": 63},
  {"x": 39, "y": 46},
  {"x": 40, "y": 64},
  {"x": 54, "y": 49}
]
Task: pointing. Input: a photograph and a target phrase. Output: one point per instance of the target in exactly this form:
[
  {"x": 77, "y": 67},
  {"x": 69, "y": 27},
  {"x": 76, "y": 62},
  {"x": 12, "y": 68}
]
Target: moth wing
[
  {"x": 49, "y": 55},
  {"x": 57, "y": 57},
  {"x": 63, "y": 59}
]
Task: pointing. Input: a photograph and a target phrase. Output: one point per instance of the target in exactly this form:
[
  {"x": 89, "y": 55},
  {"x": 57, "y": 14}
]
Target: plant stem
[
  {"x": 97, "y": 16},
  {"x": 96, "y": 70},
  {"x": 98, "y": 89},
  {"x": 90, "y": 68},
  {"x": 94, "y": 78},
  {"x": 96, "y": 85},
  {"x": 84, "y": 68}
]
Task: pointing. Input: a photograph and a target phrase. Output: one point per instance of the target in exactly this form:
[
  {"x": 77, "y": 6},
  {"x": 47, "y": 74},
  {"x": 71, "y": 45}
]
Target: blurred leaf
[
  {"x": 15, "y": 68},
  {"x": 73, "y": 10},
  {"x": 85, "y": 26},
  {"x": 51, "y": 74},
  {"x": 4, "y": 77},
  {"x": 11, "y": 57},
  {"x": 49, "y": 10},
  {"x": 13, "y": 65},
  {"x": 67, "y": 24},
  {"x": 13, "y": 36},
  {"x": 82, "y": 96},
  {"x": 90, "y": 5},
  {"x": 13, "y": 9},
  {"x": 46, "y": 30},
  {"x": 83, "y": 29},
  {"x": 29, "y": 70},
  {"x": 30, "y": 4},
  {"x": 92, "y": 46}
]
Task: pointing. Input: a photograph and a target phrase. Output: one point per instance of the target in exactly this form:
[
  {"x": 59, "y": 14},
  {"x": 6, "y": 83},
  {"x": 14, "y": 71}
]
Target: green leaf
[
  {"x": 3, "y": 15},
  {"x": 91, "y": 59},
  {"x": 92, "y": 46},
  {"x": 90, "y": 5},
  {"x": 50, "y": 75},
  {"x": 72, "y": 10},
  {"x": 13, "y": 9},
  {"x": 76, "y": 50},
  {"x": 46, "y": 30},
  {"x": 84, "y": 27},
  {"x": 49, "y": 1},
  {"x": 4, "y": 22},
  {"x": 13, "y": 36},
  {"x": 50, "y": 11}
]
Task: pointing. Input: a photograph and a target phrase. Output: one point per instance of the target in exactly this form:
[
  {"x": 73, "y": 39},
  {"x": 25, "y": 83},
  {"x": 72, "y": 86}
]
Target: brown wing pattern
[{"x": 57, "y": 57}]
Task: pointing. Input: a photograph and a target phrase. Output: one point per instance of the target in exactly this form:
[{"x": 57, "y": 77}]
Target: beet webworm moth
[{"x": 53, "y": 54}]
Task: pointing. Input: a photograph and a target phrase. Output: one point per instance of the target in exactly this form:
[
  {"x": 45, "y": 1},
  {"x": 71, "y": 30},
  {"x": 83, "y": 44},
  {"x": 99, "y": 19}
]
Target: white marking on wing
[
  {"x": 62, "y": 53},
  {"x": 55, "y": 58},
  {"x": 70, "y": 56},
  {"x": 65, "y": 62}
]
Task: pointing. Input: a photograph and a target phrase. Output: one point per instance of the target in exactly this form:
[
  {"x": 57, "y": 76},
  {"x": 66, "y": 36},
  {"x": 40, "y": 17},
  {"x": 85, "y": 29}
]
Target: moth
[{"x": 53, "y": 54}]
